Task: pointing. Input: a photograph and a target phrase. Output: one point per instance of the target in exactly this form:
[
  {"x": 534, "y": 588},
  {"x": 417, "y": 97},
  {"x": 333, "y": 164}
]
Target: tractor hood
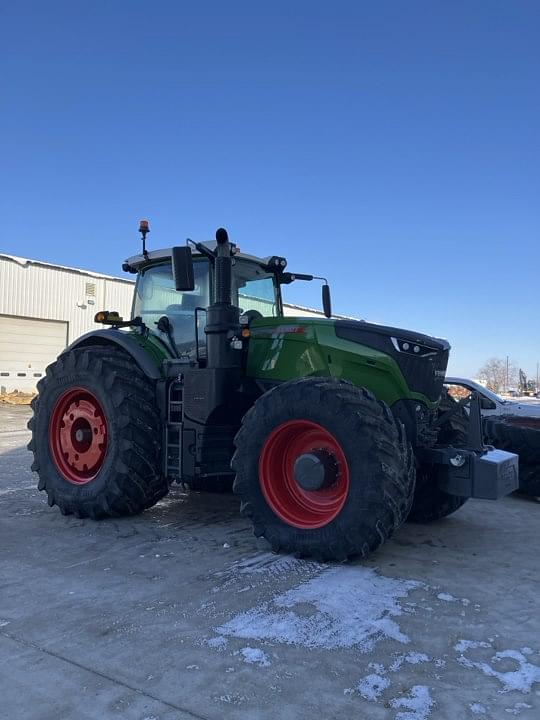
[
  {"x": 348, "y": 348},
  {"x": 402, "y": 340}
]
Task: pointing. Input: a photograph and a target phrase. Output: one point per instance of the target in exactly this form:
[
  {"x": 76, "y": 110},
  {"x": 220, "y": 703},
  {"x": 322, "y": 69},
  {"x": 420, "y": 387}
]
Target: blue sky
[{"x": 392, "y": 146}]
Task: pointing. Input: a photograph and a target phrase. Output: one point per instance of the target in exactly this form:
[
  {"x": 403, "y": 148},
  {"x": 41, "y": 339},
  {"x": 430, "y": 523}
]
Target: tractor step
[{"x": 174, "y": 430}]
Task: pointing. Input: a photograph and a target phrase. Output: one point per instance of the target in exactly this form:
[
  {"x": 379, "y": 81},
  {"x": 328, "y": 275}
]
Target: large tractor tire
[
  {"x": 519, "y": 435},
  {"x": 96, "y": 435},
  {"x": 430, "y": 503},
  {"x": 323, "y": 469}
]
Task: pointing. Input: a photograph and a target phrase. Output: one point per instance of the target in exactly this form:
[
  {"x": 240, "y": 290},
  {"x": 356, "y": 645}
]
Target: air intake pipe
[
  {"x": 223, "y": 268},
  {"x": 222, "y": 317}
]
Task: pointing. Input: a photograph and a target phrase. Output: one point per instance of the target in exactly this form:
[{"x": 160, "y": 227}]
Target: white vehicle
[{"x": 493, "y": 404}]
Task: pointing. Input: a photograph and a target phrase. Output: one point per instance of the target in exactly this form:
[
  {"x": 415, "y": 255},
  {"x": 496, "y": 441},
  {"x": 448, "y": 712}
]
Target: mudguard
[{"x": 124, "y": 340}]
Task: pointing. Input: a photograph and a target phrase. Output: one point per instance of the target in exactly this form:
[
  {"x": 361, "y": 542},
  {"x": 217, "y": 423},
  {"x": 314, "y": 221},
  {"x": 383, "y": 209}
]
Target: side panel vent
[{"x": 90, "y": 289}]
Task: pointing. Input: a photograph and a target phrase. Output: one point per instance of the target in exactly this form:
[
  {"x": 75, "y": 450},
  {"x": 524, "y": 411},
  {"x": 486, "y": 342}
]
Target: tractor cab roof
[{"x": 138, "y": 262}]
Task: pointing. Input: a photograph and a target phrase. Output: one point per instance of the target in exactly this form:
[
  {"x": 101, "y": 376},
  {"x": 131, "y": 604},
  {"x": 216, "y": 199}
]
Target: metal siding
[
  {"x": 57, "y": 294},
  {"x": 118, "y": 296}
]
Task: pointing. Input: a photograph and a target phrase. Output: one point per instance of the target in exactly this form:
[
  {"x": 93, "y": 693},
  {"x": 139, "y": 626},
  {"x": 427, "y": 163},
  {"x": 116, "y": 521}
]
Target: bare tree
[{"x": 493, "y": 374}]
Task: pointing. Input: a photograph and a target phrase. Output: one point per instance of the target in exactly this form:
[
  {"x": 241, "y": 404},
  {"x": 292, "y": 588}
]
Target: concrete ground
[{"x": 180, "y": 613}]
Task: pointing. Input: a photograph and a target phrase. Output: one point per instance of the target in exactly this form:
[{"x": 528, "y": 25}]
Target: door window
[{"x": 156, "y": 296}]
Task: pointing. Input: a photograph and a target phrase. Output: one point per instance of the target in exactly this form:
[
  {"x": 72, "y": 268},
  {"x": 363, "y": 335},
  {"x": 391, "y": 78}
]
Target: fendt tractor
[{"x": 334, "y": 431}]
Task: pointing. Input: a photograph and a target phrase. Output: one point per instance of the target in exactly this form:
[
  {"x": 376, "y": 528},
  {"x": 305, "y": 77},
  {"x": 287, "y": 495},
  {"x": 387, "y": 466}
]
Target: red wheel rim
[
  {"x": 295, "y": 505},
  {"x": 78, "y": 436}
]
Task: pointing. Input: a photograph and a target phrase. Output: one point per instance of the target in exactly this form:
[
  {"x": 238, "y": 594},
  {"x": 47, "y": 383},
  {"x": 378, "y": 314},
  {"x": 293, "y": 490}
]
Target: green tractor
[{"x": 334, "y": 431}]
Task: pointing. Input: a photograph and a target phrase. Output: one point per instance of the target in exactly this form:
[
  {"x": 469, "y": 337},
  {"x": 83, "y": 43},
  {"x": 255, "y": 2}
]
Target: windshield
[{"x": 254, "y": 289}]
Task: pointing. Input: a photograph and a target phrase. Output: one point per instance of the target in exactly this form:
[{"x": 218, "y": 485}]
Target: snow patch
[
  {"x": 255, "y": 656},
  {"x": 477, "y": 709},
  {"x": 217, "y": 642},
  {"x": 268, "y": 563},
  {"x": 417, "y": 704},
  {"x": 351, "y": 607},
  {"x": 446, "y": 597},
  {"x": 231, "y": 699},
  {"x": 413, "y": 658},
  {"x": 464, "y": 645},
  {"x": 518, "y": 707},
  {"x": 377, "y": 667},
  {"x": 371, "y": 687},
  {"x": 520, "y": 679}
]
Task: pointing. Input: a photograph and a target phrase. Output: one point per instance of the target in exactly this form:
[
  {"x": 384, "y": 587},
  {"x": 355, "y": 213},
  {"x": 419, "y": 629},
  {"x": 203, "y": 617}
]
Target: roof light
[{"x": 278, "y": 262}]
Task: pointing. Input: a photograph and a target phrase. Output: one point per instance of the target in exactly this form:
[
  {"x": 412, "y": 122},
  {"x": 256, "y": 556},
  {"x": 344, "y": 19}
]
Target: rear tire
[
  {"x": 430, "y": 503},
  {"x": 368, "y": 469},
  {"x": 113, "y": 466}
]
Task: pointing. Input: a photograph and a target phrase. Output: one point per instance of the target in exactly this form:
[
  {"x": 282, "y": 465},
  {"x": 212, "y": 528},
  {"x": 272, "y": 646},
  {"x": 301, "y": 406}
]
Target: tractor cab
[
  {"x": 255, "y": 290},
  {"x": 174, "y": 290}
]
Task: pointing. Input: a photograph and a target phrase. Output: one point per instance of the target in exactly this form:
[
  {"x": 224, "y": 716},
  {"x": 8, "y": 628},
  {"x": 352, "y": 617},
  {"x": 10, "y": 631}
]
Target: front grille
[{"x": 423, "y": 374}]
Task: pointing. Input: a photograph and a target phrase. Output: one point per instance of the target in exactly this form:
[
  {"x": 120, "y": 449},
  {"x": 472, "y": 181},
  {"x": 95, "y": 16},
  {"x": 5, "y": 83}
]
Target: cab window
[
  {"x": 156, "y": 296},
  {"x": 254, "y": 289}
]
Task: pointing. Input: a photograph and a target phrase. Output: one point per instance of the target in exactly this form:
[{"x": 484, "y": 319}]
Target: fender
[{"x": 123, "y": 340}]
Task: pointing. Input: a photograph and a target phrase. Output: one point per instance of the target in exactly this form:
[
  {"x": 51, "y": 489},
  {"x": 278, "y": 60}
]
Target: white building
[{"x": 45, "y": 307}]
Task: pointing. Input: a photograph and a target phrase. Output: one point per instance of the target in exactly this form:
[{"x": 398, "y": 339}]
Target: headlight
[{"x": 411, "y": 348}]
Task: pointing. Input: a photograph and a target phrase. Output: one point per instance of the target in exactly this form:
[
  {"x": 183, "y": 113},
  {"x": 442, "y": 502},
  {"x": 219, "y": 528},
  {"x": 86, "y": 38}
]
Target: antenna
[{"x": 144, "y": 229}]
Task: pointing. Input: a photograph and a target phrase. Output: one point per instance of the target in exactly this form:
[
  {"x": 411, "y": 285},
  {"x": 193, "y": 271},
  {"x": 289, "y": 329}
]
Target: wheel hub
[
  {"x": 78, "y": 435},
  {"x": 303, "y": 474},
  {"x": 316, "y": 470}
]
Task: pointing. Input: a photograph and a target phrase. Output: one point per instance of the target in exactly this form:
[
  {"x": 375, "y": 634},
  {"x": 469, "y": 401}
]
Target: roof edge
[{"x": 25, "y": 262}]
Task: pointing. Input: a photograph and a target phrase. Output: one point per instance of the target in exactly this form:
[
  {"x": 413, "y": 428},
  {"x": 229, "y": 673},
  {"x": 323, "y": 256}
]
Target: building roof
[{"x": 24, "y": 262}]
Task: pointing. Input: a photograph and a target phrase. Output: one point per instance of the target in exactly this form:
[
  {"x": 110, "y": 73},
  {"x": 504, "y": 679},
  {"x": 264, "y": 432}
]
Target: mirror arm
[
  {"x": 203, "y": 250},
  {"x": 286, "y": 278}
]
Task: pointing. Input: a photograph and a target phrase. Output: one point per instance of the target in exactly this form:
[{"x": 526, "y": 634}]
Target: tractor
[{"x": 332, "y": 432}]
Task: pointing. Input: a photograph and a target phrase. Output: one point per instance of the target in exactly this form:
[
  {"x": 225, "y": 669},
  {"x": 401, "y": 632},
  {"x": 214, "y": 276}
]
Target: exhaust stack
[
  {"x": 223, "y": 268},
  {"x": 222, "y": 317}
]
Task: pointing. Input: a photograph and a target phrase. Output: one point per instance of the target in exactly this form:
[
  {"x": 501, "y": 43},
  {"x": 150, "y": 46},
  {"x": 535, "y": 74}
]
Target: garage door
[{"x": 27, "y": 346}]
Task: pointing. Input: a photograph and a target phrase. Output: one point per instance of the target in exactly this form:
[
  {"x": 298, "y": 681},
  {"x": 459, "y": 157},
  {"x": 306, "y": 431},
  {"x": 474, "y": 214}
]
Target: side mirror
[
  {"x": 326, "y": 301},
  {"x": 182, "y": 267},
  {"x": 487, "y": 404}
]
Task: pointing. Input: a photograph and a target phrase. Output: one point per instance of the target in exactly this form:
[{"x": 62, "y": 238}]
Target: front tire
[
  {"x": 430, "y": 503},
  {"x": 323, "y": 469},
  {"x": 96, "y": 435}
]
